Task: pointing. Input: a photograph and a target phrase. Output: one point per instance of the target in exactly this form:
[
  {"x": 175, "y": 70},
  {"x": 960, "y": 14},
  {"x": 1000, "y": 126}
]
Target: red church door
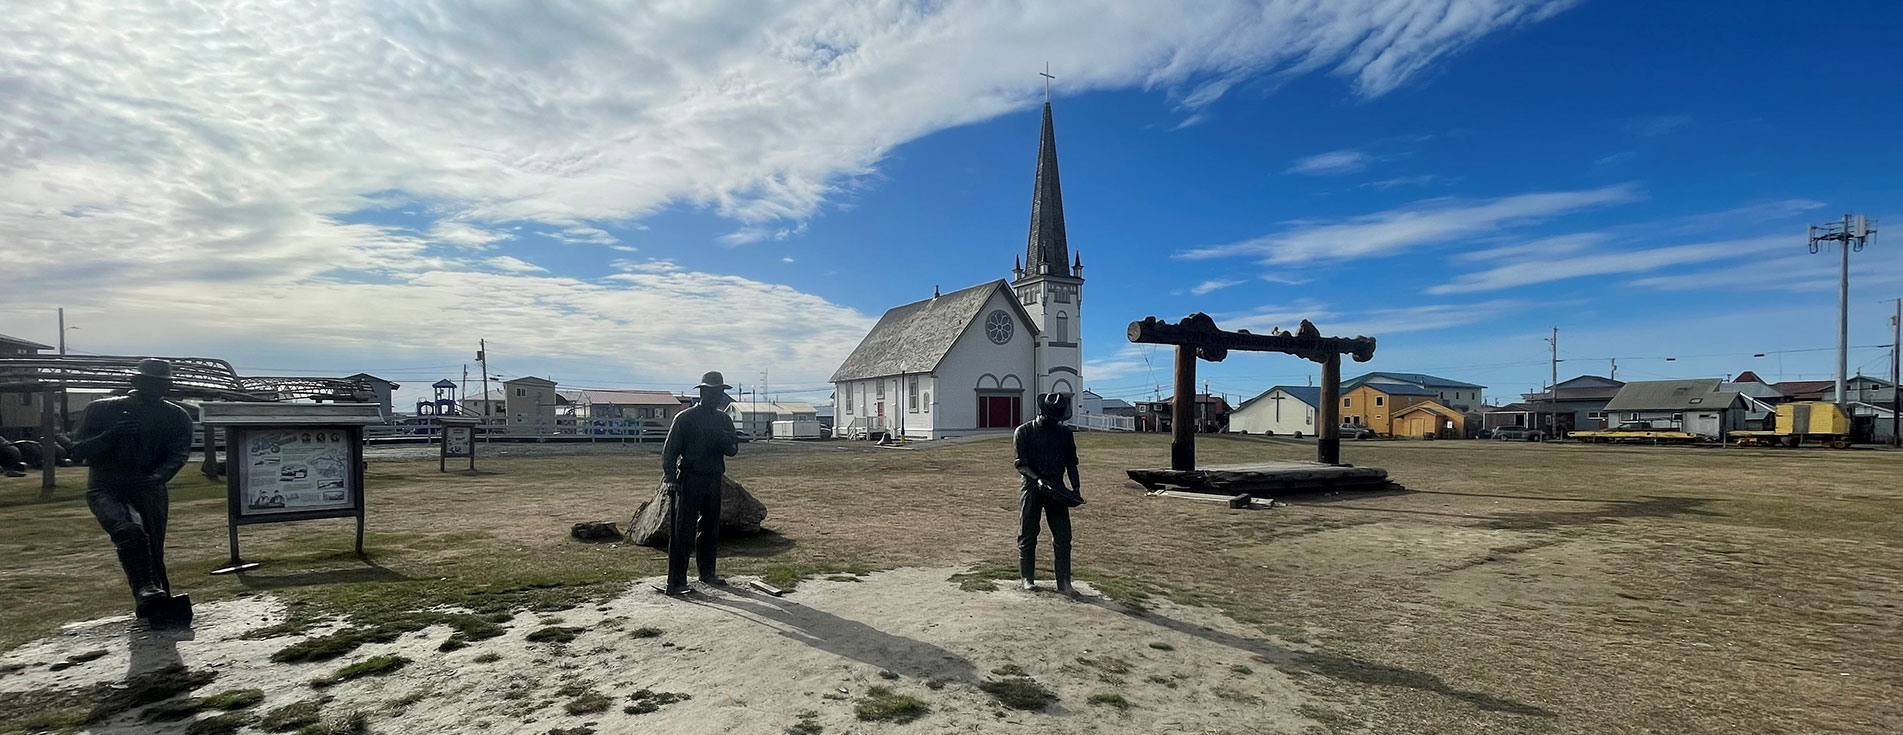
[{"x": 999, "y": 412}]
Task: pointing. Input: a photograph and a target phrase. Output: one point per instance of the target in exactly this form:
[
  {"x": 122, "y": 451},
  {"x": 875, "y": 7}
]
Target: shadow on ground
[
  {"x": 1331, "y": 665},
  {"x": 842, "y": 637}
]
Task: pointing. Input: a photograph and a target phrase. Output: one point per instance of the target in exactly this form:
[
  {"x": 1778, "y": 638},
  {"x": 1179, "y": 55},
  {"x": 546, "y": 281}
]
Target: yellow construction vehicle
[
  {"x": 1633, "y": 432},
  {"x": 1819, "y": 421}
]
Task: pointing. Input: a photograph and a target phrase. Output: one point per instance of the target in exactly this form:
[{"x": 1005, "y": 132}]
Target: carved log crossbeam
[{"x": 1213, "y": 344}]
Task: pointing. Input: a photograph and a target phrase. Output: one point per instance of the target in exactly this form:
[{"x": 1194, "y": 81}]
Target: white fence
[{"x": 1103, "y": 422}]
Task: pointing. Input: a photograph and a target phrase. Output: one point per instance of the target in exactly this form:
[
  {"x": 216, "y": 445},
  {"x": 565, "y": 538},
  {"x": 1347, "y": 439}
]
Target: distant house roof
[
  {"x": 915, "y": 337},
  {"x": 1749, "y": 377},
  {"x": 529, "y": 379},
  {"x": 1088, "y": 393},
  {"x": 1514, "y": 408},
  {"x": 27, "y": 343},
  {"x": 1431, "y": 407},
  {"x": 1393, "y": 389},
  {"x": 366, "y": 376},
  {"x": 1420, "y": 379},
  {"x": 1221, "y": 404},
  {"x": 1309, "y": 394},
  {"x": 1109, "y": 403},
  {"x": 1582, "y": 388},
  {"x": 1672, "y": 395},
  {"x": 776, "y": 408},
  {"x": 623, "y": 397}
]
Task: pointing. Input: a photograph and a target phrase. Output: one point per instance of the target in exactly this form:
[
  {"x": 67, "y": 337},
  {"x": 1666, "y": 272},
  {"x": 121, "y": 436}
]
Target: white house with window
[
  {"x": 1285, "y": 410},
  {"x": 976, "y": 360}
]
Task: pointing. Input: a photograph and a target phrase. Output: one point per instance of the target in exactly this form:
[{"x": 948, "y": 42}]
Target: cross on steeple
[{"x": 1047, "y": 80}]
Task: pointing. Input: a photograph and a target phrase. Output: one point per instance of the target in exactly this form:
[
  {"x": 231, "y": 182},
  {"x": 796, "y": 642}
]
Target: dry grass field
[{"x": 1513, "y": 588}]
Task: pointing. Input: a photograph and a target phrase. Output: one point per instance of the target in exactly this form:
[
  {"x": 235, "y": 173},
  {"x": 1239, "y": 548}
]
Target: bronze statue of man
[
  {"x": 132, "y": 446},
  {"x": 1046, "y": 451},
  {"x": 692, "y": 462}
]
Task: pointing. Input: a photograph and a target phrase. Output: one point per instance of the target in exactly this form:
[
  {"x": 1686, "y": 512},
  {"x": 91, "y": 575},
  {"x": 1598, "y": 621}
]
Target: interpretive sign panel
[
  {"x": 458, "y": 436},
  {"x": 291, "y": 462},
  {"x": 295, "y": 469}
]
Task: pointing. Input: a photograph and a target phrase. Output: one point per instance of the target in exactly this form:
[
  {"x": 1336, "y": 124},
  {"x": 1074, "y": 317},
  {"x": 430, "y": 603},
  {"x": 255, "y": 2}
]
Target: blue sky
[{"x": 617, "y": 197}]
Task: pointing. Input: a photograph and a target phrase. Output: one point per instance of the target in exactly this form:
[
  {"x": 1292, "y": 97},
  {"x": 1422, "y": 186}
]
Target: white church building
[{"x": 976, "y": 360}]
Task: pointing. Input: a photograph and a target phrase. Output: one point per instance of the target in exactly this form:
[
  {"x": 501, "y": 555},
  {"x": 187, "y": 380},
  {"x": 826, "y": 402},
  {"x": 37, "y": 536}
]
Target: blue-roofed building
[
  {"x": 1285, "y": 410},
  {"x": 1454, "y": 394}
]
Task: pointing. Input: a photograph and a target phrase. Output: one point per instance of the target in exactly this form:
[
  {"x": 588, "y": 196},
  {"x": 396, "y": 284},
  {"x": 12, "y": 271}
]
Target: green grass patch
[
  {"x": 645, "y": 632},
  {"x": 1161, "y": 646},
  {"x": 1111, "y": 699},
  {"x": 984, "y": 579},
  {"x": 467, "y": 628},
  {"x": 1241, "y": 669},
  {"x": 576, "y": 730},
  {"x": 807, "y": 725},
  {"x": 373, "y": 666},
  {"x": 295, "y": 715},
  {"x": 221, "y": 724},
  {"x": 1009, "y": 670},
  {"x": 353, "y": 723},
  {"x": 588, "y": 703},
  {"x": 648, "y": 700},
  {"x": 881, "y": 704},
  {"x": 70, "y": 709},
  {"x": 1019, "y": 692},
  {"x": 554, "y": 634}
]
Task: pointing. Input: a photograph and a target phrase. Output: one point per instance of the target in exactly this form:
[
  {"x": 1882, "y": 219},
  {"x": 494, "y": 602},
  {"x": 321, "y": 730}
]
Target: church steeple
[{"x": 1048, "y": 249}]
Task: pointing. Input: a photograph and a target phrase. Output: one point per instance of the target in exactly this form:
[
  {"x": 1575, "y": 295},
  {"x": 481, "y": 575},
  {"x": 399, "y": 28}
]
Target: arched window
[{"x": 1062, "y": 332}]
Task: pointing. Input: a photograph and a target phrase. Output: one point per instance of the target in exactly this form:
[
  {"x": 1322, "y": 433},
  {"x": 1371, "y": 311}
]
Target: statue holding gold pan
[{"x": 133, "y": 445}]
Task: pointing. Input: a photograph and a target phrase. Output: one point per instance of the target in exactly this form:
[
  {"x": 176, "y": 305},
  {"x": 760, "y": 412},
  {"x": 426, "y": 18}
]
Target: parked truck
[{"x": 1797, "y": 423}]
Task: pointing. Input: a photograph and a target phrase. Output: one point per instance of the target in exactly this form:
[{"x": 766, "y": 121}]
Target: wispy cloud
[
  {"x": 1544, "y": 247},
  {"x": 1215, "y": 285},
  {"x": 651, "y": 265},
  {"x": 512, "y": 264},
  {"x": 463, "y": 234},
  {"x": 1331, "y": 163},
  {"x": 1420, "y": 180},
  {"x": 586, "y": 235},
  {"x": 1372, "y": 322},
  {"x": 1421, "y": 224},
  {"x": 1544, "y": 270}
]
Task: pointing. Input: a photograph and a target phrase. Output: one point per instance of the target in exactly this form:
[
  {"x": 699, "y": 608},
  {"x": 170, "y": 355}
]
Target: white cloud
[
  {"x": 463, "y": 234},
  {"x": 1544, "y": 247},
  {"x": 512, "y": 264},
  {"x": 1215, "y": 285},
  {"x": 1372, "y": 322},
  {"x": 222, "y": 154},
  {"x": 786, "y": 259},
  {"x": 1331, "y": 163},
  {"x": 1421, "y": 224},
  {"x": 1543, "y": 270},
  {"x": 651, "y": 265},
  {"x": 1420, "y": 180},
  {"x": 586, "y": 235}
]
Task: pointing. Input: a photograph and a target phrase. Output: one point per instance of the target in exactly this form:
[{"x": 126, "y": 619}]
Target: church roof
[
  {"x": 915, "y": 337},
  {"x": 1048, "y": 250}
]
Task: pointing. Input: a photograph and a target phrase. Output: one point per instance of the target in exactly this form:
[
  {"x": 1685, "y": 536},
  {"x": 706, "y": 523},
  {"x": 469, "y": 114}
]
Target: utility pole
[
  {"x": 1850, "y": 235},
  {"x": 1552, "y": 392},
  {"x": 1615, "y": 370},
  {"x": 65, "y": 420},
  {"x": 1896, "y": 392},
  {"x": 482, "y": 360}
]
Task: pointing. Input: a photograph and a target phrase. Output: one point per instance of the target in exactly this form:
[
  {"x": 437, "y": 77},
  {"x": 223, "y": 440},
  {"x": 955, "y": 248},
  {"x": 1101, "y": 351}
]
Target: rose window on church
[{"x": 998, "y": 327}]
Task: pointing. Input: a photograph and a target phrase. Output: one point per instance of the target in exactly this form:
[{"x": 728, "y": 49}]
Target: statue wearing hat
[
  {"x": 1046, "y": 451},
  {"x": 132, "y": 446},
  {"x": 692, "y": 462}
]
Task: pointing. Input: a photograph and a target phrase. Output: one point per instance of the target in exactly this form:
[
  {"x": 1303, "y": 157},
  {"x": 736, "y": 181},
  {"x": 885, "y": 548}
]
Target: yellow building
[
  {"x": 1429, "y": 420},
  {"x": 1374, "y": 404}
]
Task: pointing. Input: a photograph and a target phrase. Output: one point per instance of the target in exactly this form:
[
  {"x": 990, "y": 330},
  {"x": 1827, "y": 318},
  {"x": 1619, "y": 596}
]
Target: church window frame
[
  {"x": 911, "y": 394},
  {"x": 881, "y": 389},
  {"x": 1061, "y": 294},
  {"x": 1062, "y": 332},
  {"x": 999, "y": 328},
  {"x": 848, "y": 397}
]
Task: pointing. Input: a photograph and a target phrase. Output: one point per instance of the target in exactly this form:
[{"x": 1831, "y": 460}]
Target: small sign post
[
  {"x": 458, "y": 439},
  {"x": 291, "y": 462}
]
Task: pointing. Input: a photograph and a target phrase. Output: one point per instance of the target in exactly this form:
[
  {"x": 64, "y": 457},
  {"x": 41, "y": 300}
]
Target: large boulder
[{"x": 741, "y": 514}]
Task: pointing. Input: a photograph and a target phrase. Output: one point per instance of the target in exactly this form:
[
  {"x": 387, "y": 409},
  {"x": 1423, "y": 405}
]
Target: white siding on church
[{"x": 974, "y": 357}]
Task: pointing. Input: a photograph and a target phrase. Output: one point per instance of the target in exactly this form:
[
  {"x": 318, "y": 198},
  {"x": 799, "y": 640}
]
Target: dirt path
[{"x": 751, "y": 663}]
